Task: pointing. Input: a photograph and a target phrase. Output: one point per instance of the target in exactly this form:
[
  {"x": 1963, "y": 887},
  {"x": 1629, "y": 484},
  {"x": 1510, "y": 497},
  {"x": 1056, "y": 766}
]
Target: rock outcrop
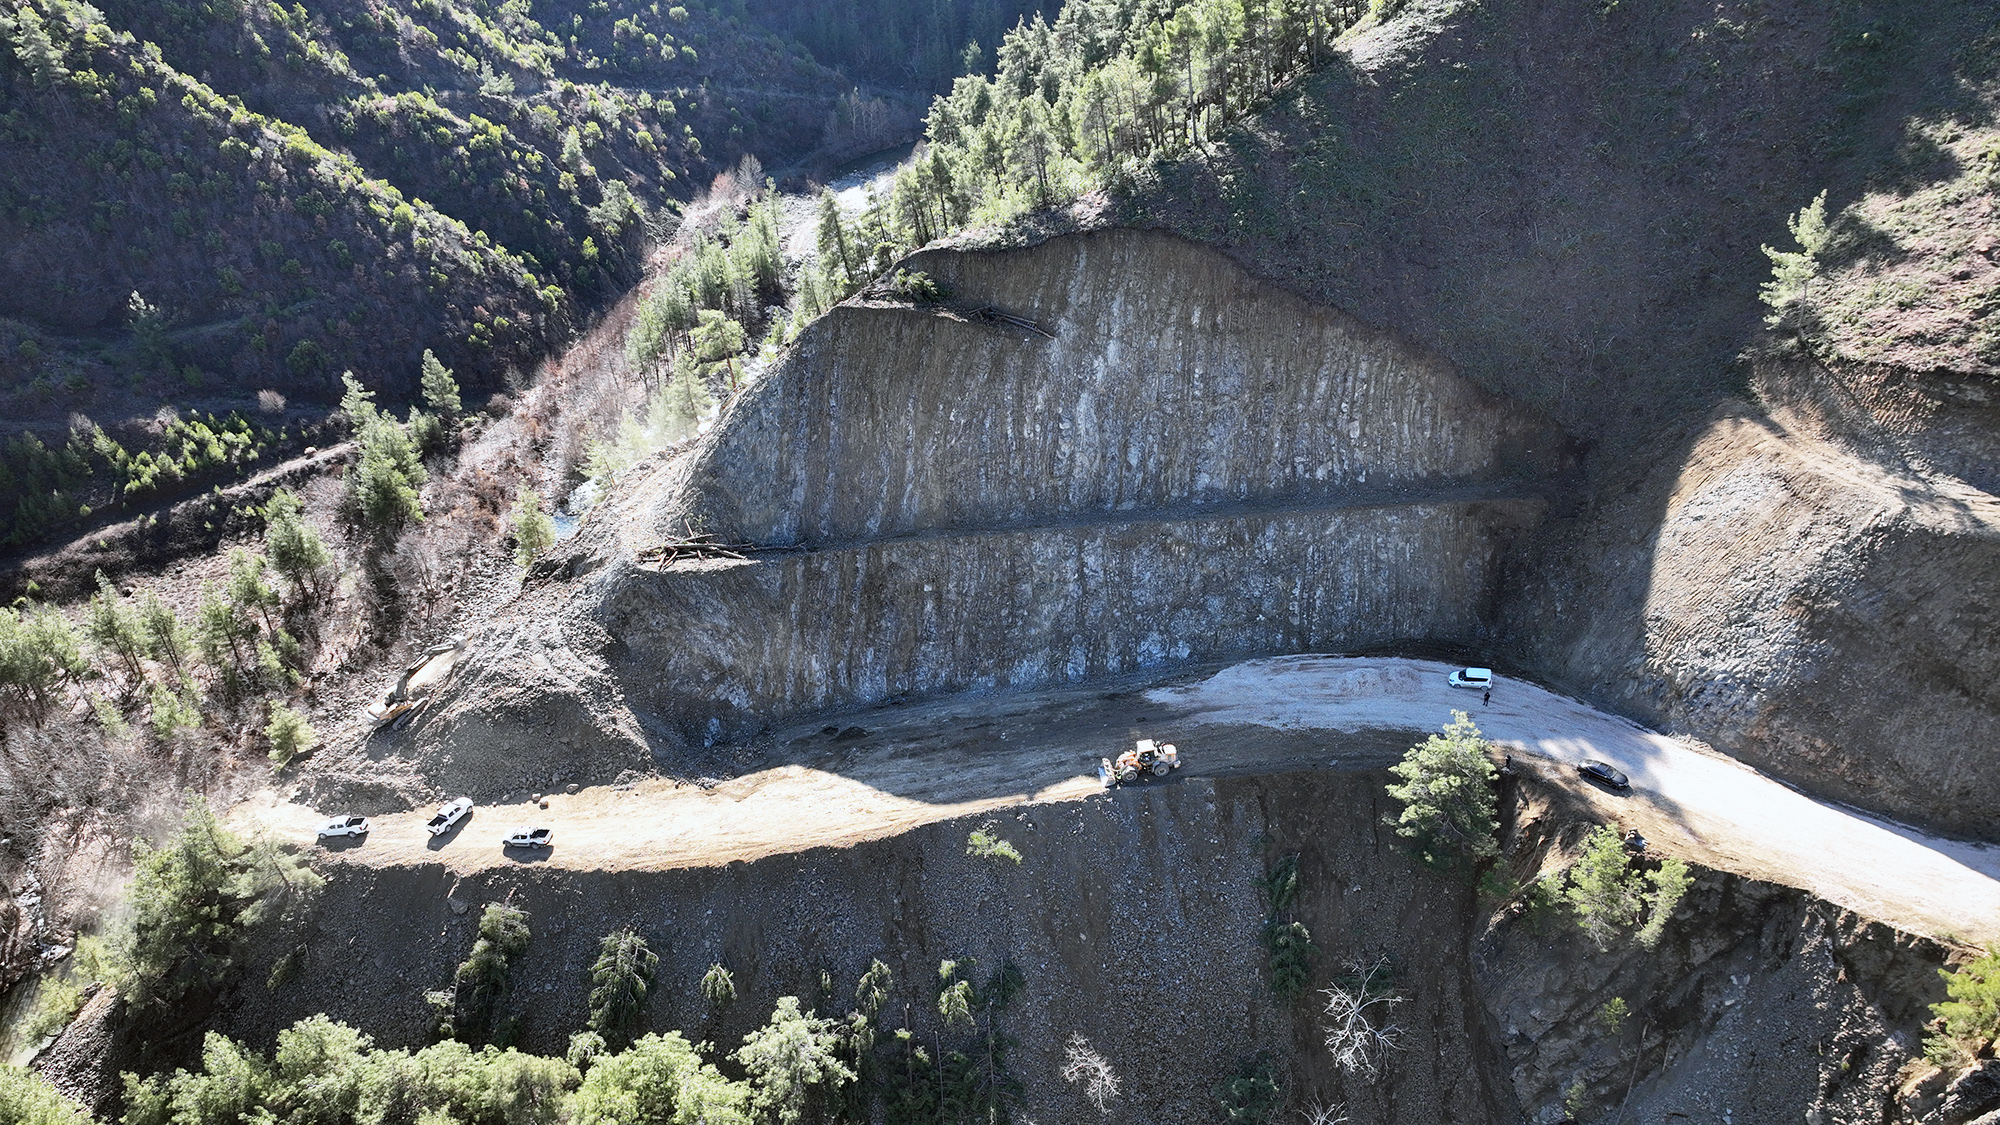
[
  {"x": 1807, "y": 584},
  {"x": 1183, "y": 464}
]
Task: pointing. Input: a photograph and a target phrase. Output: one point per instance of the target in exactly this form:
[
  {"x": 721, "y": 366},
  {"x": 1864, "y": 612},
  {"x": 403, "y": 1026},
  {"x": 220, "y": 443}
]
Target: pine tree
[
  {"x": 382, "y": 486},
  {"x": 39, "y": 653},
  {"x": 251, "y": 591},
  {"x": 483, "y": 978},
  {"x": 439, "y": 388},
  {"x": 115, "y": 628},
  {"x": 226, "y": 638},
  {"x": 794, "y": 1063},
  {"x": 295, "y": 548},
  {"x": 833, "y": 245},
  {"x": 1447, "y": 794},
  {"x": 289, "y": 734},
  {"x": 534, "y": 531},
  {"x": 620, "y": 980},
  {"x": 192, "y": 904},
  {"x": 166, "y": 638}
]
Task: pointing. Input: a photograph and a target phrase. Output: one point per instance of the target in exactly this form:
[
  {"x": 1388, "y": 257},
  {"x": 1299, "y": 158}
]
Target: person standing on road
[{"x": 1487, "y": 698}]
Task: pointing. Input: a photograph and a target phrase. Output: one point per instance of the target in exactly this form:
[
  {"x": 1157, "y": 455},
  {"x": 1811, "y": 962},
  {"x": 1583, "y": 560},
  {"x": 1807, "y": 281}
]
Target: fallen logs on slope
[
  {"x": 704, "y": 546},
  {"x": 987, "y": 314}
]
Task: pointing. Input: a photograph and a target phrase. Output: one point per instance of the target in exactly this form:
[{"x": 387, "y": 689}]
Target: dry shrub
[
  {"x": 728, "y": 194},
  {"x": 1084, "y": 1065},
  {"x": 1359, "y": 1035}
]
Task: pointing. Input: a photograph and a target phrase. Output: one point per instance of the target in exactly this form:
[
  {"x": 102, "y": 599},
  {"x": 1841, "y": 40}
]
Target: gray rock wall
[
  {"x": 740, "y": 643},
  {"x": 1196, "y": 467},
  {"x": 1173, "y": 380}
]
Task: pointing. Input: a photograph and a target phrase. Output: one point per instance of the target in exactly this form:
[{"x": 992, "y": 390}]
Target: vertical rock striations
[
  {"x": 1170, "y": 379},
  {"x": 1181, "y": 464}
]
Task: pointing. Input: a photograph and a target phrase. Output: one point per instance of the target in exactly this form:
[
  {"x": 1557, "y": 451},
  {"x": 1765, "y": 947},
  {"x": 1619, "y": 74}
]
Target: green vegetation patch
[{"x": 1449, "y": 813}]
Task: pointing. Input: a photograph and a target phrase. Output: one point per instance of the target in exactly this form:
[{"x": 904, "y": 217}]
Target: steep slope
[
  {"x": 1807, "y": 599},
  {"x": 1135, "y": 920},
  {"x": 1571, "y": 203},
  {"x": 1213, "y": 471},
  {"x": 1568, "y": 200}
]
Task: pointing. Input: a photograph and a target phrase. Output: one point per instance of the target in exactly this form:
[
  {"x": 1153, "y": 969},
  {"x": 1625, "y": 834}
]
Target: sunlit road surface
[
  {"x": 968, "y": 755},
  {"x": 1686, "y": 800}
]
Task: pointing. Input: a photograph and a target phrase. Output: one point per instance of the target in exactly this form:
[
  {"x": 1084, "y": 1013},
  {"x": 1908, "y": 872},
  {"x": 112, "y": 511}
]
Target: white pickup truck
[
  {"x": 344, "y": 826},
  {"x": 449, "y": 815},
  {"x": 528, "y": 837}
]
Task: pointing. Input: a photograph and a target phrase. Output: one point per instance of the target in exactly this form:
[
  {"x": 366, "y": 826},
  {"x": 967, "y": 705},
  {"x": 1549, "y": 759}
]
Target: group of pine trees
[
  {"x": 1076, "y": 104},
  {"x": 249, "y": 636},
  {"x": 130, "y": 654},
  {"x": 44, "y": 486},
  {"x": 198, "y": 900}
]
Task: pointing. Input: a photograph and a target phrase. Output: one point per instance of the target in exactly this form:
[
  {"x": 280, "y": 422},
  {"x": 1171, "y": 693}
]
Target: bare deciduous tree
[
  {"x": 1083, "y": 1064},
  {"x": 1358, "y": 1032},
  {"x": 1320, "y": 1113}
]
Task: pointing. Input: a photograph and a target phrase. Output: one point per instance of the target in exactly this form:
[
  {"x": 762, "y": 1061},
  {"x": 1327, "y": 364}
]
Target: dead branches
[
  {"x": 705, "y": 546},
  {"x": 695, "y": 547},
  {"x": 987, "y": 314},
  {"x": 1083, "y": 1064},
  {"x": 1355, "y": 1005}
]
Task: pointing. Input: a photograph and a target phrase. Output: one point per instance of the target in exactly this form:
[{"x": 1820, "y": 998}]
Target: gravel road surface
[{"x": 882, "y": 772}]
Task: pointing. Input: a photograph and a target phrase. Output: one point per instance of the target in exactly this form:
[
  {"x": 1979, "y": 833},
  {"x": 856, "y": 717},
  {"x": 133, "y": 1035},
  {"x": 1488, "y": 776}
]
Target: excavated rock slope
[
  {"x": 1172, "y": 380},
  {"x": 1807, "y": 584},
  {"x": 1188, "y": 466},
  {"x": 1194, "y": 466}
]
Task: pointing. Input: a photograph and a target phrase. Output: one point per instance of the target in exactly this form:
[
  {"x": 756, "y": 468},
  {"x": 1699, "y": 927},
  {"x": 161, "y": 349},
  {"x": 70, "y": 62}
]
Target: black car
[{"x": 1605, "y": 774}]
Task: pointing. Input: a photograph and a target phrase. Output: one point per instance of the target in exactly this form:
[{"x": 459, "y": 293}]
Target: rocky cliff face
[
  {"x": 1170, "y": 379},
  {"x": 1182, "y": 464},
  {"x": 1805, "y": 583},
  {"x": 718, "y": 651},
  {"x": 1760, "y": 1003}
]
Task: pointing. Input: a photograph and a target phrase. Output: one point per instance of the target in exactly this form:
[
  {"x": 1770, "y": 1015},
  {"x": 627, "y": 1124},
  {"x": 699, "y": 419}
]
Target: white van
[{"x": 1478, "y": 679}]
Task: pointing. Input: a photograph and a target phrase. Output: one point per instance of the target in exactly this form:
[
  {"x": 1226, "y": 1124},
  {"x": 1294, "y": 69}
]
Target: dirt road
[
  {"x": 1685, "y": 799},
  {"x": 882, "y": 772}
]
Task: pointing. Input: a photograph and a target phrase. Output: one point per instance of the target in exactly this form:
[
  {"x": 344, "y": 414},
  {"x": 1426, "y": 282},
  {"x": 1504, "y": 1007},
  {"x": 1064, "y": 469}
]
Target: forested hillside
[{"x": 201, "y": 201}]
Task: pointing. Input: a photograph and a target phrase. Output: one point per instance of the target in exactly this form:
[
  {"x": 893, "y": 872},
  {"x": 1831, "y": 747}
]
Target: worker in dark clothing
[{"x": 1487, "y": 698}]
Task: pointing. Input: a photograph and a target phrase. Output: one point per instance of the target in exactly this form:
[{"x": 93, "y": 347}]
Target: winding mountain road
[{"x": 888, "y": 770}]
